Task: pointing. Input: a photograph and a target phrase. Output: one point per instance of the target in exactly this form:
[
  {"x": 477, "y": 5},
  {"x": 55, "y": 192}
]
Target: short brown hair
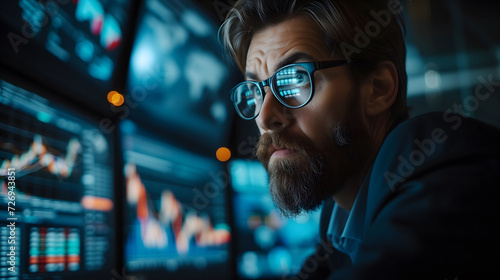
[{"x": 367, "y": 32}]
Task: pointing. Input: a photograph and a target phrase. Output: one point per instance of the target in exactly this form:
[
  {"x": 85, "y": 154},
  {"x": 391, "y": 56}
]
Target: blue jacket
[{"x": 432, "y": 209}]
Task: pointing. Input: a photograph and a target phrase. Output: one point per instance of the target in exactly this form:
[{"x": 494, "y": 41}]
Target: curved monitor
[
  {"x": 176, "y": 212},
  {"x": 74, "y": 47},
  {"x": 57, "y": 195},
  {"x": 178, "y": 80}
]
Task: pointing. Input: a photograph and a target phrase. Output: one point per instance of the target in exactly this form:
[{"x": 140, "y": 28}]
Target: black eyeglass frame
[{"x": 310, "y": 67}]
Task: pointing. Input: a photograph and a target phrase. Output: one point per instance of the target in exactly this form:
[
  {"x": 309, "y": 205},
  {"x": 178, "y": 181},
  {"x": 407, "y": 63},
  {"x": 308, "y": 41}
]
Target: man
[{"x": 402, "y": 199}]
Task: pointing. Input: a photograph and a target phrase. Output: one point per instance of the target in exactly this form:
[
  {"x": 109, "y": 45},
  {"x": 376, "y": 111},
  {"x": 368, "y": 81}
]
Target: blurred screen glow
[
  {"x": 85, "y": 34},
  {"x": 176, "y": 222},
  {"x": 64, "y": 191},
  {"x": 267, "y": 245},
  {"x": 178, "y": 70}
]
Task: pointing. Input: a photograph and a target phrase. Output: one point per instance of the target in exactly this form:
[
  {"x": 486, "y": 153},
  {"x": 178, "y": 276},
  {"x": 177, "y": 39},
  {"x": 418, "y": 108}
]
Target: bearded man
[{"x": 402, "y": 198}]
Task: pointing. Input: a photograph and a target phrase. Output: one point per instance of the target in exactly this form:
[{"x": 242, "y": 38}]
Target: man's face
[{"x": 310, "y": 153}]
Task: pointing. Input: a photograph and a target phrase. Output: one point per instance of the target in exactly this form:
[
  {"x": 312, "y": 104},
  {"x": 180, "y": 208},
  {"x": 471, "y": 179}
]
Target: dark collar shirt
[{"x": 346, "y": 228}]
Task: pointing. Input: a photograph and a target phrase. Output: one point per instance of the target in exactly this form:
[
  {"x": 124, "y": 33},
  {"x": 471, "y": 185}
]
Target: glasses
[{"x": 292, "y": 85}]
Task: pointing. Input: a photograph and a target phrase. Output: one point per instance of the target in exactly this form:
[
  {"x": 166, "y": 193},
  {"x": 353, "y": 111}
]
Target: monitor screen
[
  {"x": 176, "y": 218},
  {"x": 57, "y": 219},
  {"x": 267, "y": 245},
  {"x": 81, "y": 41},
  {"x": 178, "y": 76}
]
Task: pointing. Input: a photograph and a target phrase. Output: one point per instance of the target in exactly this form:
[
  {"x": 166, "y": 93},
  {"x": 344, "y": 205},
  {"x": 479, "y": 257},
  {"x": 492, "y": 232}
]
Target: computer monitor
[
  {"x": 176, "y": 212},
  {"x": 178, "y": 75},
  {"x": 267, "y": 245},
  {"x": 57, "y": 197},
  {"x": 82, "y": 42}
]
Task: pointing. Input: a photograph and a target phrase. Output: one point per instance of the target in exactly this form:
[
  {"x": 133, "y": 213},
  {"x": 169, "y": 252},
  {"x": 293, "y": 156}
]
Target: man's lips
[{"x": 275, "y": 150}]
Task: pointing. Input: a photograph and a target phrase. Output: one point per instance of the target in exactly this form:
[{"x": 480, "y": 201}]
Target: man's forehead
[
  {"x": 275, "y": 43},
  {"x": 292, "y": 57}
]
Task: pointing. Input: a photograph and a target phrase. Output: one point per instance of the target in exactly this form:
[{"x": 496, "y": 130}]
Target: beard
[{"x": 300, "y": 182}]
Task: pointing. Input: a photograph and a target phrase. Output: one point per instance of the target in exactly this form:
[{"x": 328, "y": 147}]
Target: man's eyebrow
[
  {"x": 251, "y": 76},
  {"x": 293, "y": 59},
  {"x": 286, "y": 61}
]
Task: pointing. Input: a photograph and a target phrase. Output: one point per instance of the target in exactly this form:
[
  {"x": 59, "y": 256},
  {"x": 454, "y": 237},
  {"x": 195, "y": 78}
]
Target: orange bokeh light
[
  {"x": 115, "y": 98},
  {"x": 223, "y": 154}
]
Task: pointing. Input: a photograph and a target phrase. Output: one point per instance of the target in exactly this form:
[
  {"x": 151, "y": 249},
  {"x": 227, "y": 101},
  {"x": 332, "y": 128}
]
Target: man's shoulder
[
  {"x": 435, "y": 150},
  {"x": 442, "y": 127},
  {"x": 433, "y": 139}
]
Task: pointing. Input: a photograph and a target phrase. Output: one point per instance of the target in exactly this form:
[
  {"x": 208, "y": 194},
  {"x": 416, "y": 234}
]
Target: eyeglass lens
[
  {"x": 292, "y": 86},
  {"x": 248, "y": 99}
]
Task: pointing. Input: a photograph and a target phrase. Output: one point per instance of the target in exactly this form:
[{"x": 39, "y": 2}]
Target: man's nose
[{"x": 273, "y": 115}]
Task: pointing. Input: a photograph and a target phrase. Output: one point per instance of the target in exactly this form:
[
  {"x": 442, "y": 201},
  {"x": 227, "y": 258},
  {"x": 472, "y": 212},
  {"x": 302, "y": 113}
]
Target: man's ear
[{"x": 381, "y": 89}]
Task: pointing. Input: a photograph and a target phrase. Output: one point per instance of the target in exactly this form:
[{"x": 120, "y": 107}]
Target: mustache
[
  {"x": 301, "y": 145},
  {"x": 340, "y": 134}
]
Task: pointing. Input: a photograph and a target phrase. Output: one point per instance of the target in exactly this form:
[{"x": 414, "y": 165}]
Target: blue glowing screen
[
  {"x": 61, "y": 191},
  {"x": 177, "y": 76},
  {"x": 176, "y": 216},
  {"x": 80, "y": 38}
]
